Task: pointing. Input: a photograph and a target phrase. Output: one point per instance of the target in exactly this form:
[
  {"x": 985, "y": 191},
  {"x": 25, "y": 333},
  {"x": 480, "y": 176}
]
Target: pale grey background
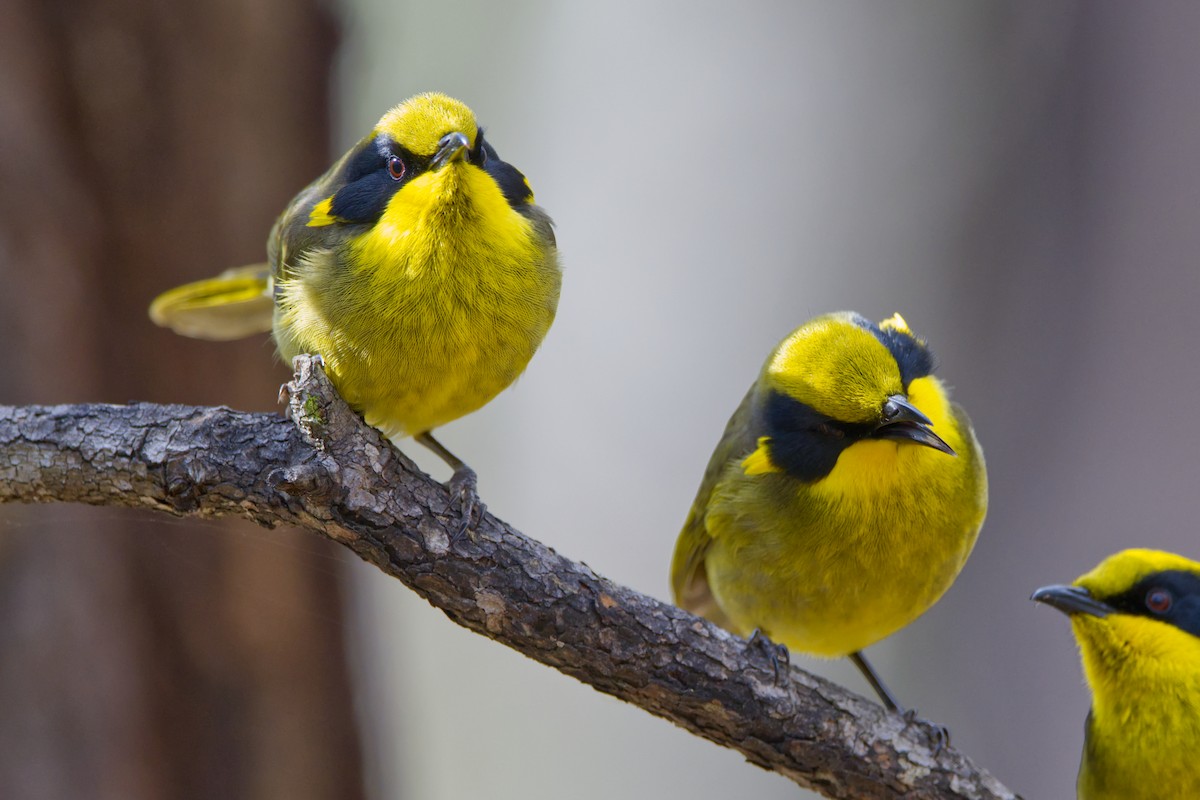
[{"x": 1020, "y": 180}]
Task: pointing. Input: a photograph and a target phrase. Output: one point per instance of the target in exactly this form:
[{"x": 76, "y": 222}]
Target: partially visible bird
[
  {"x": 843, "y": 498},
  {"x": 1136, "y": 618},
  {"x": 418, "y": 267}
]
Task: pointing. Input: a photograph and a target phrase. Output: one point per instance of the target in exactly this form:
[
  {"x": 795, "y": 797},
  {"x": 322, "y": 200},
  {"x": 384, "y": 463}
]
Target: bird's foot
[
  {"x": 776, "y": 654},
  {"x": 938, "y": 734},
  {"x": 463, "y": 492},
  {"x": 461, "y": 486}
]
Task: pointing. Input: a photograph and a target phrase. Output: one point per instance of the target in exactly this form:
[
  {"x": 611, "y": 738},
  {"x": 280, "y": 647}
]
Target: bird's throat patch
[{"x": 869, "y": 467}]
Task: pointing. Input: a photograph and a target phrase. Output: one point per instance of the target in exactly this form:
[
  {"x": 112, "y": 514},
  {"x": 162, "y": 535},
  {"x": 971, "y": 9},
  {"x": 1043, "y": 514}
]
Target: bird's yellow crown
[
  {"x": 1122, "y": 571},
  {"x": 838, "y": 367},
  {"x": 419, "y": 123}
]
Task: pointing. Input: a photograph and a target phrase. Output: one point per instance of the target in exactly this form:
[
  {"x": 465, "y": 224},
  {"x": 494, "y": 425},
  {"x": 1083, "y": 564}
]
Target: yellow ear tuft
[
  {"x": 321, "y": 214},
  {"x": 895, "y": 323},
  {"x": 759, "y": 462}
]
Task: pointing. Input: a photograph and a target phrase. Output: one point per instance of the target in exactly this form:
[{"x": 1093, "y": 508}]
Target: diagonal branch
[{"x": 333, "y": 475}]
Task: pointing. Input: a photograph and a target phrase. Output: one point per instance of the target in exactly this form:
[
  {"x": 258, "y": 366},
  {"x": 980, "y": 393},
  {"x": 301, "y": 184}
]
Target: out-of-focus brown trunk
[{"x": 143, "y": 144}]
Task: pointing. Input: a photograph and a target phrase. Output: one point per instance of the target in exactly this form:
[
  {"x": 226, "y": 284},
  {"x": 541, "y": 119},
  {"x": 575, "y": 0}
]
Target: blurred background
[{"x": 1020, "y": 180}]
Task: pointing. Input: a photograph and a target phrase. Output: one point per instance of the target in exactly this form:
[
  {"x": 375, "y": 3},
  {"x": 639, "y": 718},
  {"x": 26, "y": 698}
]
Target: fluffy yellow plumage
[
  {"x": 843, "y": 498},
  {"x": 1136, "y": 618},
  {"x": 418, "y": 267}
]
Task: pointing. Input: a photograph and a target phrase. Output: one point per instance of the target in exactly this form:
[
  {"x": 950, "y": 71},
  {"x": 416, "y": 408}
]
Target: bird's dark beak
[
  {"x": 451, "y": 147},
  {"x": 1071, "y": 600},
  {"x": 903, "y": 420}
]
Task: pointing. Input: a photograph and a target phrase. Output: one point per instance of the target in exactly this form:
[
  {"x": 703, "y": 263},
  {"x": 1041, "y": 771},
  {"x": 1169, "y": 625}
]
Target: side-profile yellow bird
[
  {"x": 1137, "y": 620},
  {"x": 418, "y": 267},
  {"x": 843, "y": 498}
]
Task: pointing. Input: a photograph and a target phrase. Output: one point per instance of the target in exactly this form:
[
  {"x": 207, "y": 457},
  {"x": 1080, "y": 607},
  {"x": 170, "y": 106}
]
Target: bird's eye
[
  {"x": 828, "y": 430},
  {"x": 1159, "y": 600},
  {"x": 395, "y": 167}
]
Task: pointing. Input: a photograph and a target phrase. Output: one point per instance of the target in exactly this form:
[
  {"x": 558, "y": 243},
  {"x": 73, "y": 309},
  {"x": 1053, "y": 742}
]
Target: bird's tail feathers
[{"x": 235, "y": 304}]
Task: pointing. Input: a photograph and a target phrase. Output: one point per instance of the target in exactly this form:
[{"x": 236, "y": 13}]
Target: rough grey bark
[{"x": 333, "y": 475}]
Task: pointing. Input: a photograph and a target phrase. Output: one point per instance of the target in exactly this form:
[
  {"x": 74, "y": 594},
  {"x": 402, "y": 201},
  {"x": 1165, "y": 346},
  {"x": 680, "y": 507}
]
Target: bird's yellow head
[
  {"x": 1135, "y": 616},
  {"x": 419, "y": 123},
  {"x": 838, "y": 380},
  {"x": 426, "y": 155},
  {"x": 843, "y": 366}
]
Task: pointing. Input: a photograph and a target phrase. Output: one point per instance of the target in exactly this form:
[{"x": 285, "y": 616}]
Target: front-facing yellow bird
[
  {"x": 1137, "y": 620},
  {"x": 417, "y": 267},
  {"x": 843, "y": 498}
]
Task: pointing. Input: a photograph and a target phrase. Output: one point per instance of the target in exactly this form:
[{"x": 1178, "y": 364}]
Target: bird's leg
[
  {"x": 462, "y": 484},
  {"x": 941, "y": 734},
  {"x": 881, "y": 689},
  {"x": 776, "y": 654}
]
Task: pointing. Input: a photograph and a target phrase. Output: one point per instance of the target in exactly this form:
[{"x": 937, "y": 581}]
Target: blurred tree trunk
[{"x": 143, "y": 144}]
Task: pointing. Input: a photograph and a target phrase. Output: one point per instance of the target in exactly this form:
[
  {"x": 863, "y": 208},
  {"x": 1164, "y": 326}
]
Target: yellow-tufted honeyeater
[
  {"x": 843, "y": 498},
  {"x": 1136, "y": 618},
  {"x": 418, "y": 267}
]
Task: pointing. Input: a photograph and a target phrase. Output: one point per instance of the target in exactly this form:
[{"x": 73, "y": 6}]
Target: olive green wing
[
  {"x": 974, "y": 453},
  {"x": 689, "y": 578},
  {"x": 296, "y": 234}
]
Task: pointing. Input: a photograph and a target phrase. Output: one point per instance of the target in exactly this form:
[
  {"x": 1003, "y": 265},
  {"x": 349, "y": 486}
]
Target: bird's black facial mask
[
  {"x": 1172, "y": 597},
  {"x": 511, "y": 180},
  {"x": 371, "y": 177},
  {"x": 374, "y": 174},
  {"x": 803, "y": 442}
]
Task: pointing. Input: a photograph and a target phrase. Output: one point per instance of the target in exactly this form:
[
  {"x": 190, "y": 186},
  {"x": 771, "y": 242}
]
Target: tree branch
[{"x": 335, "y": 476}]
